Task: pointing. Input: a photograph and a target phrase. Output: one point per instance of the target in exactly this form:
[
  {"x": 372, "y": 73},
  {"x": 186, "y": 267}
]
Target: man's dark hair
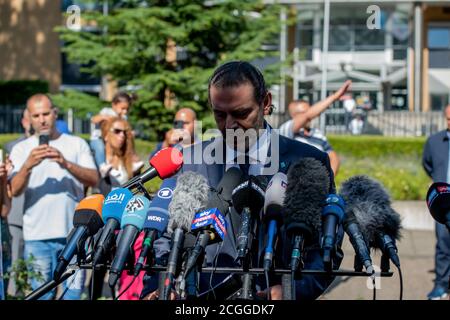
[{"x": 235, "y": 73}]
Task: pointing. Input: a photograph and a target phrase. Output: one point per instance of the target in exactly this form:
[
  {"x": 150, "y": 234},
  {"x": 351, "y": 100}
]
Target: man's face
[
  {"x": 42, "y": 116},
  {"x": 235, "y": 108},
  {"x": 188, "y": 122},
  {"x": 447, "y": 116}
]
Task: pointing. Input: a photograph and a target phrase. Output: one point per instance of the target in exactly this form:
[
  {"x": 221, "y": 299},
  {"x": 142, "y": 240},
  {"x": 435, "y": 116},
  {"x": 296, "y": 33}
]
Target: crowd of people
[{"x": 48, "y": 171}]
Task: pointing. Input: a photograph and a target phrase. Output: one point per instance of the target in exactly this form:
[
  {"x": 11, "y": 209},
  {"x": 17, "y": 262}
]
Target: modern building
[{"x": 396, "y": 52}]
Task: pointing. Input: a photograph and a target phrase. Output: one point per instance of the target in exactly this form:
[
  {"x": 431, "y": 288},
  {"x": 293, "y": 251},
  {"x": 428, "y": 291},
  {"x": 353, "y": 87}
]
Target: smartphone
[
  {"x": 1, "y": 155},
  {"x": 178, "y": 124},
  {"x": 44, "y": 139}
]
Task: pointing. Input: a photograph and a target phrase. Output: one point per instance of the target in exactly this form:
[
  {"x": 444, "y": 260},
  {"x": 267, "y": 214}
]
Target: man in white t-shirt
[{"x": 52, "y": 178}]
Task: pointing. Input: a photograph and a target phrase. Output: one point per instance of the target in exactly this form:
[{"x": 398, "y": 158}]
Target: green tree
[{"x": 134, "y": 49}]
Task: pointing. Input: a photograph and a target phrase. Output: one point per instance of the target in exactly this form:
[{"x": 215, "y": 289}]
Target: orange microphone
[{"x": 87, "y": 220}]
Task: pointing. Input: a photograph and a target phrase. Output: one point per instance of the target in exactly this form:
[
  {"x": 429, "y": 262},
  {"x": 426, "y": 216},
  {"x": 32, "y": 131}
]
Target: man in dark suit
[
  {"x": 437, "y": 166},
  {"x": 240, "y": 100}
]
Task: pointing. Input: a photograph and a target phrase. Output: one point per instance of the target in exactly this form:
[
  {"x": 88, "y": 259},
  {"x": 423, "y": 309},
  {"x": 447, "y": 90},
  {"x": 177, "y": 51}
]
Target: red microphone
[{"x": 164, "y": 164}]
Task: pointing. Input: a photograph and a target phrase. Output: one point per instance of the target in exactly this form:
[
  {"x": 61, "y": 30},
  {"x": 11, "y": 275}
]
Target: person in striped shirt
[{"x": 299, "y": 126}]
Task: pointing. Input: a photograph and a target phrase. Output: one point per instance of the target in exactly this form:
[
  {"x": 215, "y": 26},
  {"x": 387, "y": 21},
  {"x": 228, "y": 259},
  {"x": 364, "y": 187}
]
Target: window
[{"x": 438, "y": 41}]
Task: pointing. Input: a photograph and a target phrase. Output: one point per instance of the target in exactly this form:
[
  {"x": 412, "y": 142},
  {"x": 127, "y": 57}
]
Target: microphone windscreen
[
  {"x": 190, "y": 196},
  {"x": 307, "y": 189},
  {"x": 158, "y": 213},
  {"x": 93, "y": 202},
  {"x": 115, "y": 203},
  {"x": 167, "y": 162},
  {"x": 369, "y": 202},
  {"x": 438, "y": 201},
  {"x": 135, "y": 212},
  {"x": 275, "y": 193},
  {"x": 250, "y": 194},
  {"x": 230, "y": 180}
]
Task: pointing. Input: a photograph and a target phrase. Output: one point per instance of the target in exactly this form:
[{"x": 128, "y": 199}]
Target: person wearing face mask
[{"x": 120, "y": 107}]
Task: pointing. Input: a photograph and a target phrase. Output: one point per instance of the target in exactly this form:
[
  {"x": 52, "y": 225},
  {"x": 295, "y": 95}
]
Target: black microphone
[
  {"x": 438, "y": 202},
  {"x": 133, "y": 220},
  {"x": 371, "y": 205},
  {"x": 210, "y": 225},
  {"x": 273, "y": 217},
  {"x": 87, "y": 221},
  {"x": 332, "y": 215},
  {"x": 307, "y": 189},
  {"x": 156, "y": 223},
  {"x": 248, "y": 200},
  {"x": 190, "y": 196}
]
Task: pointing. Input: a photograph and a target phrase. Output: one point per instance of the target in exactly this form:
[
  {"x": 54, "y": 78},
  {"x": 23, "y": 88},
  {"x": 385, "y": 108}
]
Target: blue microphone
[
  {"x": 112, "y": 211},
  {"x": 157, "y": 219},
  {"x": 332, "y": 215},
  {"x": 133, "y": 220},
  {"x": 273, "y": 203}
]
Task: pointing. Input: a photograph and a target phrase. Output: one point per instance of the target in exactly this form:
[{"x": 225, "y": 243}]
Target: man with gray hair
[
  {"x": 51, "y": 173},
  {"x": 436, "y": 163}
]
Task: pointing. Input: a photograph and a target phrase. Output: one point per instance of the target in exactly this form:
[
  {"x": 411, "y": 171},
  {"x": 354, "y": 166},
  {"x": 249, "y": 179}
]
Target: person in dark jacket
[
  {"x": 240, "y": 100},
  {"x": 436, "y": 164}
]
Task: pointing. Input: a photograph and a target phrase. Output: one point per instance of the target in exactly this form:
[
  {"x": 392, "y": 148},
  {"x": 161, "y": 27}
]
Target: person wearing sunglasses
[{"x": 120, "y": 158}]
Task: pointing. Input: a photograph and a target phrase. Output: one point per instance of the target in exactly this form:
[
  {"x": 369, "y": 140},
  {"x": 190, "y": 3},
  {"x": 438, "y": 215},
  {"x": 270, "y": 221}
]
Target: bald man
[
  {"x": 299, "y": 127},
  {"x": 436, "y": 162},
  {"x": 51, "y": 176},
  {"x": 182, "y": 133}
]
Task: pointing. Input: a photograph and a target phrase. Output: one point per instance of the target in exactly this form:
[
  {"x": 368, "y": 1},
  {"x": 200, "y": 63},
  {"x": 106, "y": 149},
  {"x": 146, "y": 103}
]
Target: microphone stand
[
  {"x": 245, "y": 240},
  {"x": 50, "y": 285}
]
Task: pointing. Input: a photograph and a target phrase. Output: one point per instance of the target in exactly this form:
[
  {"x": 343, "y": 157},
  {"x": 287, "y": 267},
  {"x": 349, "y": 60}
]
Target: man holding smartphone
[
  {"x": 182, "y": 132},
  {"x": 51, "y": 170}
]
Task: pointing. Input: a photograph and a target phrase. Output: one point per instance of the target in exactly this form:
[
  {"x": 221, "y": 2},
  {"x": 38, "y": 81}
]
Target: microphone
[
  {"x": 157, "y": 219},
  {"x": 87, "y": 221},
  {"x": 273, "y": 216},
  {"x": 190, "y": 196},
  {"x": 133, "y": 220},
  {"x": 164, "y": 164},
  {"x": 248, "y": 200},
  {"x": 307, "y": 188},
  {"x": 332, "y": 216},
  {"x": 438, "y": 202},
  {"x": 113, "y": 208},
  {"x": 371, "y": 205},
  {"x": 210, "y": 225}
]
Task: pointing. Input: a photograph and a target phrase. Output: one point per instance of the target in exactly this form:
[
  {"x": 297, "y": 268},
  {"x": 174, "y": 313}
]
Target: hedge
[{"x": 395, "y": 162}]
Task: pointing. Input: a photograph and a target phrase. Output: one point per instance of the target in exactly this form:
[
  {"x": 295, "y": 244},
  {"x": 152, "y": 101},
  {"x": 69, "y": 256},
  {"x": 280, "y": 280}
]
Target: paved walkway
[{"x": 416, "y": 251}]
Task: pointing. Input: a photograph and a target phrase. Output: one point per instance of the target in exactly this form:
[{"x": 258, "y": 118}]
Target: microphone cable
[
  {"x": 374, "y": 289},
  {"x": 126, "y": 289},
  {"x": 293, "y": 285},
  {"x": 216, "y": 256},
  {"x": 266, "y": 274},
  {"x": 401, "y": 282}
]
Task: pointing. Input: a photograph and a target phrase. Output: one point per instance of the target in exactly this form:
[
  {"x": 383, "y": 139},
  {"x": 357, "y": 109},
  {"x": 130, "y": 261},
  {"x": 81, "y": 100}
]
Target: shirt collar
[{"x": 257, "y": 152}]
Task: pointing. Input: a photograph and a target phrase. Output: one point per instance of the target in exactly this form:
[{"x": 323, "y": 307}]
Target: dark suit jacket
[
  {"x": 290, "y": 151},
  {"x": 435, "y": 156}
]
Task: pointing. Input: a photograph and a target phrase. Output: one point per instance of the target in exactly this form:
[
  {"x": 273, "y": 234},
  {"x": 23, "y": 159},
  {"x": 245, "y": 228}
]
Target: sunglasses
[{"x": 117, "y": 131}]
